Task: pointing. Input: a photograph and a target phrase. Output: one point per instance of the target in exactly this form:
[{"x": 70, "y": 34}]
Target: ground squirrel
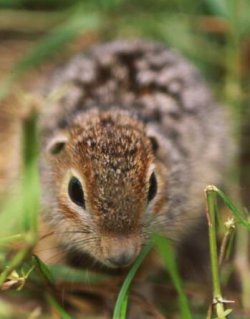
[{"x": 130, "y": 137}]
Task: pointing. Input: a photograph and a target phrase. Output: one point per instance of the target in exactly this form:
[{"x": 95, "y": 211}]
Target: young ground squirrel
[{"x": 130, "y": 137}]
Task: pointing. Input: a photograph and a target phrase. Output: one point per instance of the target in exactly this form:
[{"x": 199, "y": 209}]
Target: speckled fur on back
[{"x": 164, "y": 97}]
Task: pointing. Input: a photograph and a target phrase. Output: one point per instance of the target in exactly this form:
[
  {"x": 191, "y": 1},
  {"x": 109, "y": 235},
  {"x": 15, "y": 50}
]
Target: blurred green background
[
  {"x": 213, "y": 34},
  {"x": 35, "y": 35}
]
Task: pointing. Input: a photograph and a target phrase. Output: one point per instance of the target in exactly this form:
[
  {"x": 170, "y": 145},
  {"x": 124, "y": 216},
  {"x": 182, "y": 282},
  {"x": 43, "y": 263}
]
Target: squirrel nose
[{"x": 121, "y": 260}]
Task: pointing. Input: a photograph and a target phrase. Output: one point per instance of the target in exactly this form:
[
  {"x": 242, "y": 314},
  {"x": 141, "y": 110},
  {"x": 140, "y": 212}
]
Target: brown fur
[{"x": 109, "y": 103}]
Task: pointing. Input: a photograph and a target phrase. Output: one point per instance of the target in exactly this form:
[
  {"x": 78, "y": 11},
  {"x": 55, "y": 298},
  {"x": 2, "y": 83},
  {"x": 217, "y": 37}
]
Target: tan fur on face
[
  {"x": 110, "y": 153},
  {"x": 114, "y": 154}
]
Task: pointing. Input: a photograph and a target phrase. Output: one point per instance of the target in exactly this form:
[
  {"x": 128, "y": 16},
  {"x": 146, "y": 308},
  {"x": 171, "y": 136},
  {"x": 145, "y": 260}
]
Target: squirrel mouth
[
  {"x": 120, "y": 261},
  {"x": 84, "y": 260}
]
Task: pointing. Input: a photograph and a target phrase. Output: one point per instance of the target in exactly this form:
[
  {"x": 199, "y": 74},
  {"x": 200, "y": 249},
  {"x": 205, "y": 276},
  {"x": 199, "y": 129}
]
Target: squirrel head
[{"x": 107, "y": 185}]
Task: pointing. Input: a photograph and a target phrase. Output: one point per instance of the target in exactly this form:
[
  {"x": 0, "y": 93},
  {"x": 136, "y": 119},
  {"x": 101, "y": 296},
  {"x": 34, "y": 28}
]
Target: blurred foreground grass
[{"x": 215, "y": 35}]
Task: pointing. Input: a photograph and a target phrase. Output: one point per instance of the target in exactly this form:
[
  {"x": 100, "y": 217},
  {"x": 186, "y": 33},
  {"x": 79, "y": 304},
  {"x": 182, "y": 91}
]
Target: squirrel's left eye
[
  {"x": 152, "y": 187},
  {"x": 76, "y": 192}
]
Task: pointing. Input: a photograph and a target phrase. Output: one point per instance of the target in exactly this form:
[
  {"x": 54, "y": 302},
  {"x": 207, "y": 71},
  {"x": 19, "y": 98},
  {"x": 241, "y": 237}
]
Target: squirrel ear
[
  {"x": 154, "y": 143},
  {"x": 56, "y": 144}
]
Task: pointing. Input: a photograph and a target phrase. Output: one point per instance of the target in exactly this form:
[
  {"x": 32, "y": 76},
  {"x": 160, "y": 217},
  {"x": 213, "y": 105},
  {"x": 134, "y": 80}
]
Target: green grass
[
  {"x": 221, "y": 54},
  {"x": 168, "y": 255},
  {"x": 122, "y": 299}
]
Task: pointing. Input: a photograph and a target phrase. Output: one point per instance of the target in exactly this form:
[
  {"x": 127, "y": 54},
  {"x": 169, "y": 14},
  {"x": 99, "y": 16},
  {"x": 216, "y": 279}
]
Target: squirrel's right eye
[
  {"x": 76, "y": 192},
  {"x": 152, "y": 187}
]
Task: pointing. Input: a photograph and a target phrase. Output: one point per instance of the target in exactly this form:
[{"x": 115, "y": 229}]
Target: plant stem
[
  {"x": 19, "y": 257},
  {"x": 210, "y": 192},
  {"x": 242, "y": 264}
]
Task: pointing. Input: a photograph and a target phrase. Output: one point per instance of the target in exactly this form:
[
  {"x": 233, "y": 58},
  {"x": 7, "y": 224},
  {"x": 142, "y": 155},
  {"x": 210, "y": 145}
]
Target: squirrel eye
[
  {"x": 76, "y": 192},
  {"x": 152, "y": 187}
]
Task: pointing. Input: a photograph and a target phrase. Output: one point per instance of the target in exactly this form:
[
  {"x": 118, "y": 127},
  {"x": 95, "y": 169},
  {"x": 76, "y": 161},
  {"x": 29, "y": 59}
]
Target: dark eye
[
  {"x": 152, "y": 187},
  {"x": 76, "y": 192}
]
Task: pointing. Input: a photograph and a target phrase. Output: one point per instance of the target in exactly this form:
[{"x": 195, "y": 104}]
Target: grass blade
[
  {"x": 14, "y": 263},
  {"x": 239, "y": 216},
  {"x": 218, "y": 7},
  {"x": 122, "y": 300},
  {"x": 168, "y": 256},
  {"x": 50, "y": 45},
  {"x": 66, "y": 273},
  {"x": 55, "y": 305},
  {"x": 44, "y": 270}
]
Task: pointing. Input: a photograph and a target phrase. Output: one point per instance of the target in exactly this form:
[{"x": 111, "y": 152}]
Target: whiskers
[
  {"x": 54, "y": 244},
  {"x": 171, "y": 228}
]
